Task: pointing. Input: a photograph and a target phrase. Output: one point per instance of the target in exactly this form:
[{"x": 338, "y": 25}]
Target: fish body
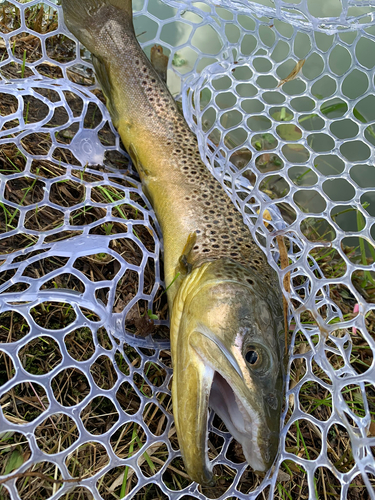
[{"x": 226, "y": 313}]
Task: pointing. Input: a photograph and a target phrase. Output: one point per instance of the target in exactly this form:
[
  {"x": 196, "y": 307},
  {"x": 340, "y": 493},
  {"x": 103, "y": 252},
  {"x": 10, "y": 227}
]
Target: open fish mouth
[
  {"x": 243, "y": 424},
  {"x": 240, "y": 418},
  {"x": 204, "y": 384}
]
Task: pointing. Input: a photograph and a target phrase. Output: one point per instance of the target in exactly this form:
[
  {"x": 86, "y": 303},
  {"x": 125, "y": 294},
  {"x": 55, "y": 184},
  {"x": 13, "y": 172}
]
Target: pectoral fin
[{"x": 184, "y": 265}]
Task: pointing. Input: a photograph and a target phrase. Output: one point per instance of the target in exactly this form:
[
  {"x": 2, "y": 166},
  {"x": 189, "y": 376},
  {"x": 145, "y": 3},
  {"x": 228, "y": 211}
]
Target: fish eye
[
  {"x": 257, "y": 358},
  {"x": 252, "y": 356}
]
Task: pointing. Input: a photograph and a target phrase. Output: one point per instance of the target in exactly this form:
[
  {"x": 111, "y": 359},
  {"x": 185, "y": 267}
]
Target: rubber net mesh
[{"x": 85, "y": 367}]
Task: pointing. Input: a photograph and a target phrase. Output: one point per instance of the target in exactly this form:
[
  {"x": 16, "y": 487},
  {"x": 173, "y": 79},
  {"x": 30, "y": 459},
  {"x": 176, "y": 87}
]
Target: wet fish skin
[{"x": 226, "y": 314}]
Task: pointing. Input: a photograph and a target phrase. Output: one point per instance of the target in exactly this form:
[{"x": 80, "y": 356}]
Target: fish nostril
[{"x": 271, "y": 400}]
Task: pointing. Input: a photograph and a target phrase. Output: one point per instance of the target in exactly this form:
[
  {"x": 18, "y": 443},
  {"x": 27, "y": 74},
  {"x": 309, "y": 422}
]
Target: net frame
[{"x": 310, "y": 288}]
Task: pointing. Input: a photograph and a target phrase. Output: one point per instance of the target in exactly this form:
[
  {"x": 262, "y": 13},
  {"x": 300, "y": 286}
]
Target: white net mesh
[{"x": 84, "y": 362}]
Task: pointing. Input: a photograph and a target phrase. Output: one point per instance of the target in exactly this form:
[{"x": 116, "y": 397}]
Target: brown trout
[{"x": 226, "y": 304}]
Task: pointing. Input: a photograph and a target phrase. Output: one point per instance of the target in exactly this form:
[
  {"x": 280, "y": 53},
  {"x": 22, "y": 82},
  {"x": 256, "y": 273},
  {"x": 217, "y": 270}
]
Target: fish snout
[{"x": 268, "y": 442}]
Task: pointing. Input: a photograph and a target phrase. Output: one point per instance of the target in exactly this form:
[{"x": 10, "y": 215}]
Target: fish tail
[
  {"x": 87, "y": 19},
  {"x": 84, "y": 18}
]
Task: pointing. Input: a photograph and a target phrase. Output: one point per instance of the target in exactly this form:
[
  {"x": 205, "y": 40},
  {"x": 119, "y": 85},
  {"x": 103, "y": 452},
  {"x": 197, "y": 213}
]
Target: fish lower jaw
[{"x": 241, "y": 424}]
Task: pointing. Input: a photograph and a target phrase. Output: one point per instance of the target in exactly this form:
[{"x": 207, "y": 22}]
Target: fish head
[{"x": 228, "y": 353}]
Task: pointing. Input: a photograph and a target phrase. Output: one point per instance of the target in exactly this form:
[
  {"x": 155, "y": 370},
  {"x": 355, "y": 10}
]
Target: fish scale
[{"x": 225, "y": 303}]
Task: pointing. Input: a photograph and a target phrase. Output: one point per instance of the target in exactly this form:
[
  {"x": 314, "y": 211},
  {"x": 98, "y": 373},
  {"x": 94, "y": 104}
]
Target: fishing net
[{"x": 281, "y": 99}]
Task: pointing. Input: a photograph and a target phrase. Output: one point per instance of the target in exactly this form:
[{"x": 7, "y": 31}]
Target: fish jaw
[
  {"x": 214, "y": 323},
  {"x": 190, "y": 394}
]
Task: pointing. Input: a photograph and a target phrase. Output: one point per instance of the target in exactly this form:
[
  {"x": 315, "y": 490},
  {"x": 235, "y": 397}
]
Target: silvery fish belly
[{"x": 226, "y": 310}]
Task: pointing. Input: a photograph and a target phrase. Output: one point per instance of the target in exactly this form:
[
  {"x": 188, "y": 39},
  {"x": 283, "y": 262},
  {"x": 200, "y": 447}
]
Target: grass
[{"x": 27, "y": 401}]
